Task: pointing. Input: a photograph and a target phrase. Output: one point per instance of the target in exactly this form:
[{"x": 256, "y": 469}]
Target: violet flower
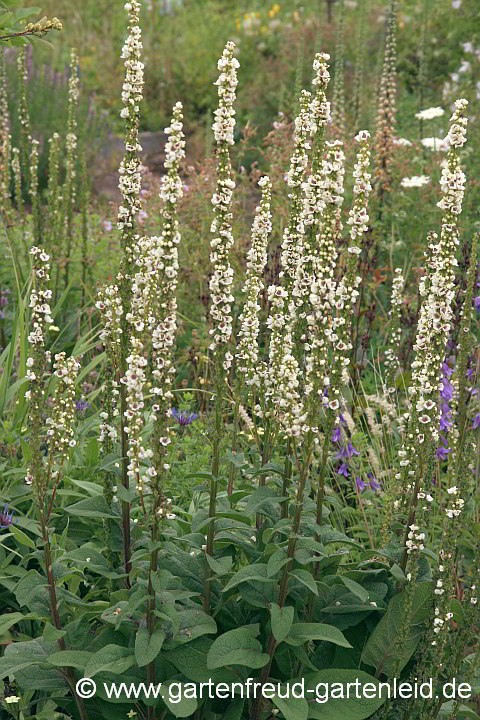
[
  {"x": 360, "y": 484},
  {"x": 6, "y": 518},
  {"x": 336, "y": 434},
  {"x": 476, "y": 422},
  {"x": 183, "y": 417},
  {"x": 343, "y": 469}
]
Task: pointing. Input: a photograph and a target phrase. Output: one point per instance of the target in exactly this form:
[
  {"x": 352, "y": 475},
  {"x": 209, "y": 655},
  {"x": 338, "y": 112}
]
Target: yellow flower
[
  {"x": 238, "y": 23},
  {"x": 271, "y": 13},
  {"x": 131, "y": 714}
]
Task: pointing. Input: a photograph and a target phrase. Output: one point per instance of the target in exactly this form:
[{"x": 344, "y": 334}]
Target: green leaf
[
  {"x": 220, "y": 566},
  {"x": 71, "y": 658},
  {"x": 397, "y": 573},
  {"x": 21, "y": 537},
  {"x": 292, "y": 708},
  {"x": 306, "y": 579},
  {"x": 111, "y": 658},
  {"x": 94, "y": 507},
  {"x": 237, "y": 647},
  {"x": 446, "y": 711},
  {"x": 304, "y": 632},
  {"x": 275, "y": 562},
  {"x": 173, "y": 696},
  {"x": 51, "y": 634},
  {"x": 383, "y": 651},
  {"x": 355, "y": 588},
  {"x": 192, "y": 623},
  {"x": 147, "y": 646},
  {"x": 8, "y": 620},
  {"x": 258, "y": 573},
  {"x": 341, "y": 701},
  {"x": 281, "y": 620}
]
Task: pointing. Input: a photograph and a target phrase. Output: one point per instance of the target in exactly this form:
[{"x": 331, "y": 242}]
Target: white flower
[
  {"x": 402, "y": 142},
  {"x": 434, "y": 143},
  {"x": 430, "y": 113},
  {"x": 456, "y": 4},
  {"x": 415, "y": 181}
]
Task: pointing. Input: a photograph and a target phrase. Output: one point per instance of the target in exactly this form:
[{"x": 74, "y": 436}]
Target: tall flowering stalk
[
  {"x": 250, "y": 372},
  {"x": 292, "y": 244},
  {"x": 386, "y": 109},
  {"x": 23, "y": 116},
  {"x": 438, "y": 637},
  {"x": 358, "y": 79},
  {"x": 392, "y": 362},
  {"x": 434, "y": 325},
  {"x": 338, "y": 98},
  {"x": 35, "y": 200},
  {"x": 54, "y": 199},
  {"x": 222, "y": 276},
  {"x": 5, "y": 139},
  {"x": 116, "y": 300},
  {"x": 69, "y": 191},
  {"x": 53, "y": 428}
]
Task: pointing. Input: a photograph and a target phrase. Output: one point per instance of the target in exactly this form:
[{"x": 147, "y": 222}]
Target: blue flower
[
  {"x": 476, "y": 302},
  {"x": 343, "y": 469},
  {"x": 360, "y": 484},
  {"x": 347, "y": 451},
  {"x": 476, "y": 422},
  {"x": 183, "y": 417},
  {"x": 82, "y": 405},
  {"x": 6, "y": 518},
  {"x": 336, "y": 434}
]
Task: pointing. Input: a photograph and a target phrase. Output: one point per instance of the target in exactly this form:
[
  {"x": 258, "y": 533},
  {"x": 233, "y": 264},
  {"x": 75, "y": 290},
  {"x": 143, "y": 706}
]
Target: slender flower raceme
[
  {"x": 34, "y": 189},
  {"x": 392, "y": 363},
  {"x": 222, "y": 275},
  {"x": 162, "y": 320},
  {"x": 117, "y": 333},
  {"x": 23, "y": 116},
  {"x": 247, "y": 347},
  {"x": 434, "y": 325},
  {"x": 5, "y": 139},
  {"x": 386, "y": 112},
  {"x": 69, "y": 191},
  {"x": 292, "y": 245},
  {"x": 338, "y": 99}
]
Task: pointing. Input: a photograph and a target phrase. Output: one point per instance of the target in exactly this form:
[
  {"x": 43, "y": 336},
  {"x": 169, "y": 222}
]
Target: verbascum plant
[
  {"x": 23, "y": 115},
  {"x": 417, "y": 487},
  {"x": 392, "y": 362},
  {"x": 116, "y": 300},
  {"x": 5, "y": 140},
  {"x": 70, "y": 188},
  {"x": 250, "y": 369},
  {"x": 386, "y": 107},
  {"x": 359, "y": 94},
  {"x": 338, "y": 97},
  {"x": 51, "y": 428},
  {"x": 33, "y": 189},
  {"x": 54, "y": 198},
  {"x": 222, "y": 276}
]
